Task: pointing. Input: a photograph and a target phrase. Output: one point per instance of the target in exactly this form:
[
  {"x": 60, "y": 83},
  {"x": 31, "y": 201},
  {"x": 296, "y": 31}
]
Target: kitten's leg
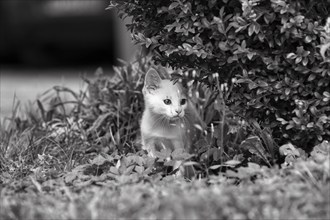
[
  {"x": 151, "y": 145},
  {"x": 178, "y": 144},
  {"x": 183, "y": 171},
  {"x": 148, "y": 145},
  {"x": 151, "y": 149}
]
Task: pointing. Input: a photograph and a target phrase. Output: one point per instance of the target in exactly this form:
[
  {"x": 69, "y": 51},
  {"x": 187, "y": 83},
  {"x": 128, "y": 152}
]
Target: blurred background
[{"x": 53, "y": 42}]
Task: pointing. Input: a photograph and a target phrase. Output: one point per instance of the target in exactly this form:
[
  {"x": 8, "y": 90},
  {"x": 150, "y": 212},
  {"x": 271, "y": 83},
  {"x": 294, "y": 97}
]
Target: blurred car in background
[{"x": 57, "y": 32}]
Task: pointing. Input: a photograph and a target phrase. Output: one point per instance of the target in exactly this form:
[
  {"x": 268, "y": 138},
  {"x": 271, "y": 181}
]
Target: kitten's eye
[
  {"x": 183, "y": 101},
  {"x": 167, "y": 101}
]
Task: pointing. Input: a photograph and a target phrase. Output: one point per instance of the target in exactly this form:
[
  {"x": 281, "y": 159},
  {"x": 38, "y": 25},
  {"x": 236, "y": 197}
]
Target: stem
[{"x": 222, "y": 121}]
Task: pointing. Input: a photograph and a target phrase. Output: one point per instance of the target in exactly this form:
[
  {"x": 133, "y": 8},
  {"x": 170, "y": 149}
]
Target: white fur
[{"x": 166, "y": 125}]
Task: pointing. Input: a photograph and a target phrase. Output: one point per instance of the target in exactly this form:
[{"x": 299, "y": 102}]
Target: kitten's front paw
[{"x": 150, "y": 152}]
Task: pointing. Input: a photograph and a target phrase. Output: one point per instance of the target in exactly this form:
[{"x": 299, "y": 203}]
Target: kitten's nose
[{"x": 178, "y": 111}]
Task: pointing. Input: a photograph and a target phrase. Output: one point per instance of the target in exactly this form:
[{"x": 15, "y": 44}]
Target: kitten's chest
[
  {"x": 175, "y": 130},
  {"x": 170, "y": 131}
]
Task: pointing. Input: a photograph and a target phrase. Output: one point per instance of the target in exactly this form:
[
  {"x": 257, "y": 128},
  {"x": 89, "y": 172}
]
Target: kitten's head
[{"x": 164, "y": 97}]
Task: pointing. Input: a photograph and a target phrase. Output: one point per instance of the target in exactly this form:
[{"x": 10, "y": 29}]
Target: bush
[
  {"x": 115, "y": 106},
  {"x": 265, "y": 52}
]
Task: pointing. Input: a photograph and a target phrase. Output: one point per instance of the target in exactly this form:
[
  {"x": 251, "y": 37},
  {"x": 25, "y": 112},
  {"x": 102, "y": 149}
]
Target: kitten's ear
[{"x": 152, "y": 80}]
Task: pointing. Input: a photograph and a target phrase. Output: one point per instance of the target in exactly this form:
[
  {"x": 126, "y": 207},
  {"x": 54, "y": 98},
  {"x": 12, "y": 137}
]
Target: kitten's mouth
[{"x": 175, "y": 118}]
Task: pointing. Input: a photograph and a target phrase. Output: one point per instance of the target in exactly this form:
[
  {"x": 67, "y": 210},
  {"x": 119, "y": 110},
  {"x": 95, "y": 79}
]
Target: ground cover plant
[
  {"x": 81, "y": 158},
  {"x": 266, "y": 51}
]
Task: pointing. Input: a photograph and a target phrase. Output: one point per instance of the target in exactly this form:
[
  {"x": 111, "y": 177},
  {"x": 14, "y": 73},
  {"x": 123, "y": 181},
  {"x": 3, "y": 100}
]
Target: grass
[
  {"x": 170, "y": 198},
  {"x": 84, "y": 163}
]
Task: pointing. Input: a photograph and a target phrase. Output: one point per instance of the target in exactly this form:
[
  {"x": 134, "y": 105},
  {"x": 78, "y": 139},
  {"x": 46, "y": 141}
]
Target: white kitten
[{"x": 169, "y": 119}]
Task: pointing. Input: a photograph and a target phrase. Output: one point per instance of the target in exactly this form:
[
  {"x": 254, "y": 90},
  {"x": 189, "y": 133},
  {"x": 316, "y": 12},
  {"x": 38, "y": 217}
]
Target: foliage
[
  {"x": 267, "y": 52},
  {"x": 80, "y": 158},
  {"x": 110, "y": 187},
  {"x": 105, "y": 119}
]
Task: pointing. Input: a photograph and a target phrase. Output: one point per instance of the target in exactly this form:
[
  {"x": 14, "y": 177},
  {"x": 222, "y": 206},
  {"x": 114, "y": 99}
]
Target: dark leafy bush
[{"x": 266, "y": 53}]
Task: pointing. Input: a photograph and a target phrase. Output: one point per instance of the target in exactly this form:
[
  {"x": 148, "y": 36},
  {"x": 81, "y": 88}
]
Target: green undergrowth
[
  {"x": 271, "y": 197},
  {"x": 75, "y": 155},
  {"x": 300, "y": 191}
]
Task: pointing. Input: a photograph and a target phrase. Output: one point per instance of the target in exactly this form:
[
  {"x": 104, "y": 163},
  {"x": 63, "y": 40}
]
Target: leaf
[
  {"x": 128, "y": 170},
  {"x": 296, "y": 120},
  {"x": 231, "y": 173},
  {"x": 214, "y": 167},
  {"x": 170, "y": 163},
  {"x": 139, "y": 169},
  {"x": 114, "y": 170},
  {"x": 99, "y": 122},
  {"x": 289, "y": 126},
  {"x": 291, "y": 56},
  {"x": 243, "y": 45},
  {"x": 283, "y": 121},
  {"x": 289, "y": 149},
  {"x": 251, "y": 29},
  {"x": 305, "y": 61},
  {"x": 207, "y": 155},
  {"x": 42, "y": 110},
  {"x": 148, "y": 42},
  {"x": 223, "y": 46},
  {"x": 323, "y": 148},
  {"x": 190, "y": 163},
  {"x": 232, "y": 162},
  {"x": 70, "y": 177},
  {"x": 253, "y": 145},
  {"x": 164, "y": 47},
  {"x": 139, "y": 160},
  {"x": 254, "y": 166},
  {"x": 217, "y": 155},
  {"x": 323, "y": 49},
  {"x": 298, "y": 60},
  {"x": 311, "y": 77},
  {"x": 163, "y": 154},
  {"x": 287, "y": 91},
  {"x": 181, "y": 154},
  {"x": 201, "y": 144},
  {"x": 250, "y": 56},
  {"x": 99, "y": 160},
  {"x": 173, "y": 5},
  {"x": 326, "y": 94},
  {"x": 310, "y": 125}
]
